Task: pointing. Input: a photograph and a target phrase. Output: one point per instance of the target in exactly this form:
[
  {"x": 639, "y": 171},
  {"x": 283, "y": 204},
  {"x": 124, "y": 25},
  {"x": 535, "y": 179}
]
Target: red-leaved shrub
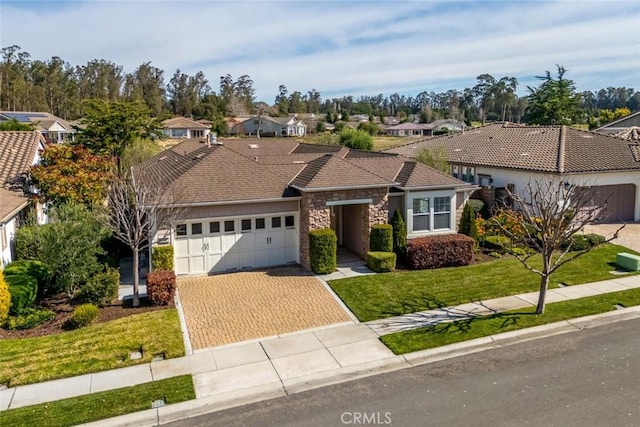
[
  {"x": 161, "y": 286},
  {"x": 446, "y": 250}
]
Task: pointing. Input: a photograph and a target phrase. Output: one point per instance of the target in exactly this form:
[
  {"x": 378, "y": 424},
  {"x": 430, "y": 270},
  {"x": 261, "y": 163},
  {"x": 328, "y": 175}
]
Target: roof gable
[{"x": 18, "y": 152}]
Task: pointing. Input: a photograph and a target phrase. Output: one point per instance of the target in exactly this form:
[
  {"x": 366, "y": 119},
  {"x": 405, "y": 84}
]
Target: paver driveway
[
  {"x": 628, "y": 237},
  {"x": 234, "y": 307}
]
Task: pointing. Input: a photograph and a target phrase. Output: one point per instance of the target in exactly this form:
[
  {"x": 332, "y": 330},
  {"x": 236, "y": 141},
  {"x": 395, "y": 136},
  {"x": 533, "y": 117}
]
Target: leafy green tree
[
  {"x": 108, "y": 128},
  {"x": 72, "y": 174},
  {"x": 435, "y": 157},
  {"x": 554, "y": 102},
  {"x": 71, "y": 246},
  {"x": 139, "y": 151},
  {"x": 356, "y": 139},
  {"x": 15, "y": 125}
]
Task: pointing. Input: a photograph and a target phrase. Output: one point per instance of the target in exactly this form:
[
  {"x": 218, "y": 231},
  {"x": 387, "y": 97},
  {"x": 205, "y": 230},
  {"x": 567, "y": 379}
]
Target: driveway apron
[{"x": 233, "y": 307}]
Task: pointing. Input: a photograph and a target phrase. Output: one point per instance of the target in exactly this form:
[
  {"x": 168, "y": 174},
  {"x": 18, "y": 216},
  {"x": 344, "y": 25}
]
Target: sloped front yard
[{"x": 391, "y": 294}]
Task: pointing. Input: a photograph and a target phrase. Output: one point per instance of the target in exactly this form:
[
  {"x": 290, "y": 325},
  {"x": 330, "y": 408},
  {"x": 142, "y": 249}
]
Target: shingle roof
[
  {"x": 273, "y": 169},
  {"x": 10, "y": 201},
  {"x": 17, "y": 151},
  {"x": 555, "y": 149},
  {"x": 183, "y": 123}
]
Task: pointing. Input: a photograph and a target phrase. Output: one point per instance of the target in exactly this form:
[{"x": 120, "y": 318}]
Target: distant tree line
[{"x": 60, "y": 88}]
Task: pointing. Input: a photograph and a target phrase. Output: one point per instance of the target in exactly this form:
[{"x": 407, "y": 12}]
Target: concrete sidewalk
[{"x": 245, "y": 372}]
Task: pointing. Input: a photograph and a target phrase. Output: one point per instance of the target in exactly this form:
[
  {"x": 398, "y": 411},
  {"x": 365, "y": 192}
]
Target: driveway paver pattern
[
  {"x": 628, "y": 237},
  {"x": 233, "y": 307}
]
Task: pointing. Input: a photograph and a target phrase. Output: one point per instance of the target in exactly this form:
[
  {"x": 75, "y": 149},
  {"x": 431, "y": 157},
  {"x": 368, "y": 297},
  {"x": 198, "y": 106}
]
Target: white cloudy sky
[{"x": 341, "y": 47}]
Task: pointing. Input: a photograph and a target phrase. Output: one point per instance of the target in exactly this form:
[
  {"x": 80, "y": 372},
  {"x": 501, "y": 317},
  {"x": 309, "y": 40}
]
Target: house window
[
  {"x": 260, "y": 225},
  {"x": 430, "y": 212},
  {"x": 196, "y": 228},
  {"x": 289, "y": 222},
  {"x": 421, "y": 214},
  {"x": 464, "y": 173},
  {"x": 276, "y": 222},
  {"x": 229, "y": 226},
  {"x": 214, "y": 227},
  {"x": 181, "y": 230},
  {"x": 441, "y": 212},
  {"x": 3, "y": 236},
  {"x": 245, "y": 225}
]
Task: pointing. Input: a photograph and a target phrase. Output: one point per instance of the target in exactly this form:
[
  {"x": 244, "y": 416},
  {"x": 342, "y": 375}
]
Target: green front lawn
[
  {"x": 94, "y": 348},
  {"x": 98, "y": 406},
  {"x": 391, "y": 294},
  {"x": 463, "y": 330}
]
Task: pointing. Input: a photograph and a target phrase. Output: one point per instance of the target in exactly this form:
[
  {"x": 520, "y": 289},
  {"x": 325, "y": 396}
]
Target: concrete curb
[{"x": 215, "y": 403}]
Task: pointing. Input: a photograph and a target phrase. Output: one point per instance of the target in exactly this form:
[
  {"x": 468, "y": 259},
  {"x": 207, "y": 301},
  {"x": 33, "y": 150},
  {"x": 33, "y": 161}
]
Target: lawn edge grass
[
  {"x": 101, "y": 405},
  {"x": 442, "y": 334},
  {"x": 387, "y": 295},
  {"x": 96, "y": 348}
]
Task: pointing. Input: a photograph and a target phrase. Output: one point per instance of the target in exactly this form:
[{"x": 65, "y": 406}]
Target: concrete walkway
[{"x": 244, "y": 372}]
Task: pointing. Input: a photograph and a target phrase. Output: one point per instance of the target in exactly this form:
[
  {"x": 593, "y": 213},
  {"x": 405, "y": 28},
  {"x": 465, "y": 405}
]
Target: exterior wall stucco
[{"x": 502, "y": 177}]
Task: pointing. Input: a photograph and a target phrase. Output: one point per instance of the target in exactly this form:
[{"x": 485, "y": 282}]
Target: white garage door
[{"x": 228, "y": 244}]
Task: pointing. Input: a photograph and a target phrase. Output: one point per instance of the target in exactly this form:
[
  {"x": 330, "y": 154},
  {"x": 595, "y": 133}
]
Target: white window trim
[{"x": 430, "y": 195}]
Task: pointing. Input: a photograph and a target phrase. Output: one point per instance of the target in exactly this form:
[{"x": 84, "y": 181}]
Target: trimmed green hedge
[
  {"x": 323, "y": 251},
  {"x": 162, "y": 257},
  {"x": 381, "y": 262},
  {"x": 399, "y": 233},
  {"x": 36, "y": 269},
  {"x": 23, "y": 290},
  {"x": 381, "y": 238}
]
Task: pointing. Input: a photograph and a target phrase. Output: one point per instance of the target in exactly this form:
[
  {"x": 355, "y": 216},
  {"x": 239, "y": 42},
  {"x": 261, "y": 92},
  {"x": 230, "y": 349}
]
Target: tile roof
[
  {"x": 17, "y": 152},
  {"x": 252, "y": 169},
  {"x": 183, "y": 123},
  {"x": 554, "y": 149}
]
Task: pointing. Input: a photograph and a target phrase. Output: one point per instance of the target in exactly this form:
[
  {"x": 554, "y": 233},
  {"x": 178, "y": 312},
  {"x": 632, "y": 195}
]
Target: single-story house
[
  {"x": 620, "y": 125},
  {"x": 249, "y": 203},
  {"x": 272, "y": 126},
  {"x": 509, "y": 156},
  {"x": 407, "y": 129},
  {"x": 181, "y": 127},
  {"x": 54, "y": 129},
  {"x": 18, "y": 152}
]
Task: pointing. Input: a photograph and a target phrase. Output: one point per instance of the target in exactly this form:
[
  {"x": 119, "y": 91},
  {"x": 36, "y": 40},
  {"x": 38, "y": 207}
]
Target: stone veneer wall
[{"x": 315, "y": 214}]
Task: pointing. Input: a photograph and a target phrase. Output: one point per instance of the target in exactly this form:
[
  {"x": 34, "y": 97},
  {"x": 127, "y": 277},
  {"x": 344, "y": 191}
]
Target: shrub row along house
[
  {"x": 18, "y": 152},
  {"x": 252, "y": 203},
  {"x": 507, "y": 156}
]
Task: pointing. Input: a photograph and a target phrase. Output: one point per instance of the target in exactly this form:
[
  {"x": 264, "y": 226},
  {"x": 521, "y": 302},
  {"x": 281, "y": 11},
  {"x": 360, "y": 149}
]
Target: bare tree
[
  {"x": 136, "y": 210},
  {"x": 551, "y": 212}
]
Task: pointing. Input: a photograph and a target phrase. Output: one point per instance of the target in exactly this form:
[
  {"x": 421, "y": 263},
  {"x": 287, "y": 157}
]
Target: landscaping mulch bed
[{"x": 64, "y": 309}]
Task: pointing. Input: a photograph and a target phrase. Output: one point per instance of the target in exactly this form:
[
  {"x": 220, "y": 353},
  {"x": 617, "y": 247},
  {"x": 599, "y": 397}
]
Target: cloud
[{"x": 340, "y": 48}]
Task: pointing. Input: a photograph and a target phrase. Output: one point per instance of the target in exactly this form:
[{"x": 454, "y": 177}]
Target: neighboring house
[
  {"x": 249, "y": 203},
  {"x": 620, "y": 125},
  {"x": 425, "y": 129},
  {"x": 18, "y": 152},
  {"x": 54, "y": 129},
  {"x": 504, "y": 155},
  {"x": 181, "y": 127},
  {"x": 272, "y": 126},
  {"x": 407, "y": 129}
]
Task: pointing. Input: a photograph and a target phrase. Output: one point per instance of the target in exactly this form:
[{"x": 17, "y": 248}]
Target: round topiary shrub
[{"x": 83, "y": 315}]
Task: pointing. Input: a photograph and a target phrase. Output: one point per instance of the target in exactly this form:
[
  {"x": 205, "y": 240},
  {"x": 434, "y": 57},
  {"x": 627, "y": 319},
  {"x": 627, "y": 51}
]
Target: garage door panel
[
  {"x": 620, "y": 201},
  {"x": 229, "y": 244}
]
